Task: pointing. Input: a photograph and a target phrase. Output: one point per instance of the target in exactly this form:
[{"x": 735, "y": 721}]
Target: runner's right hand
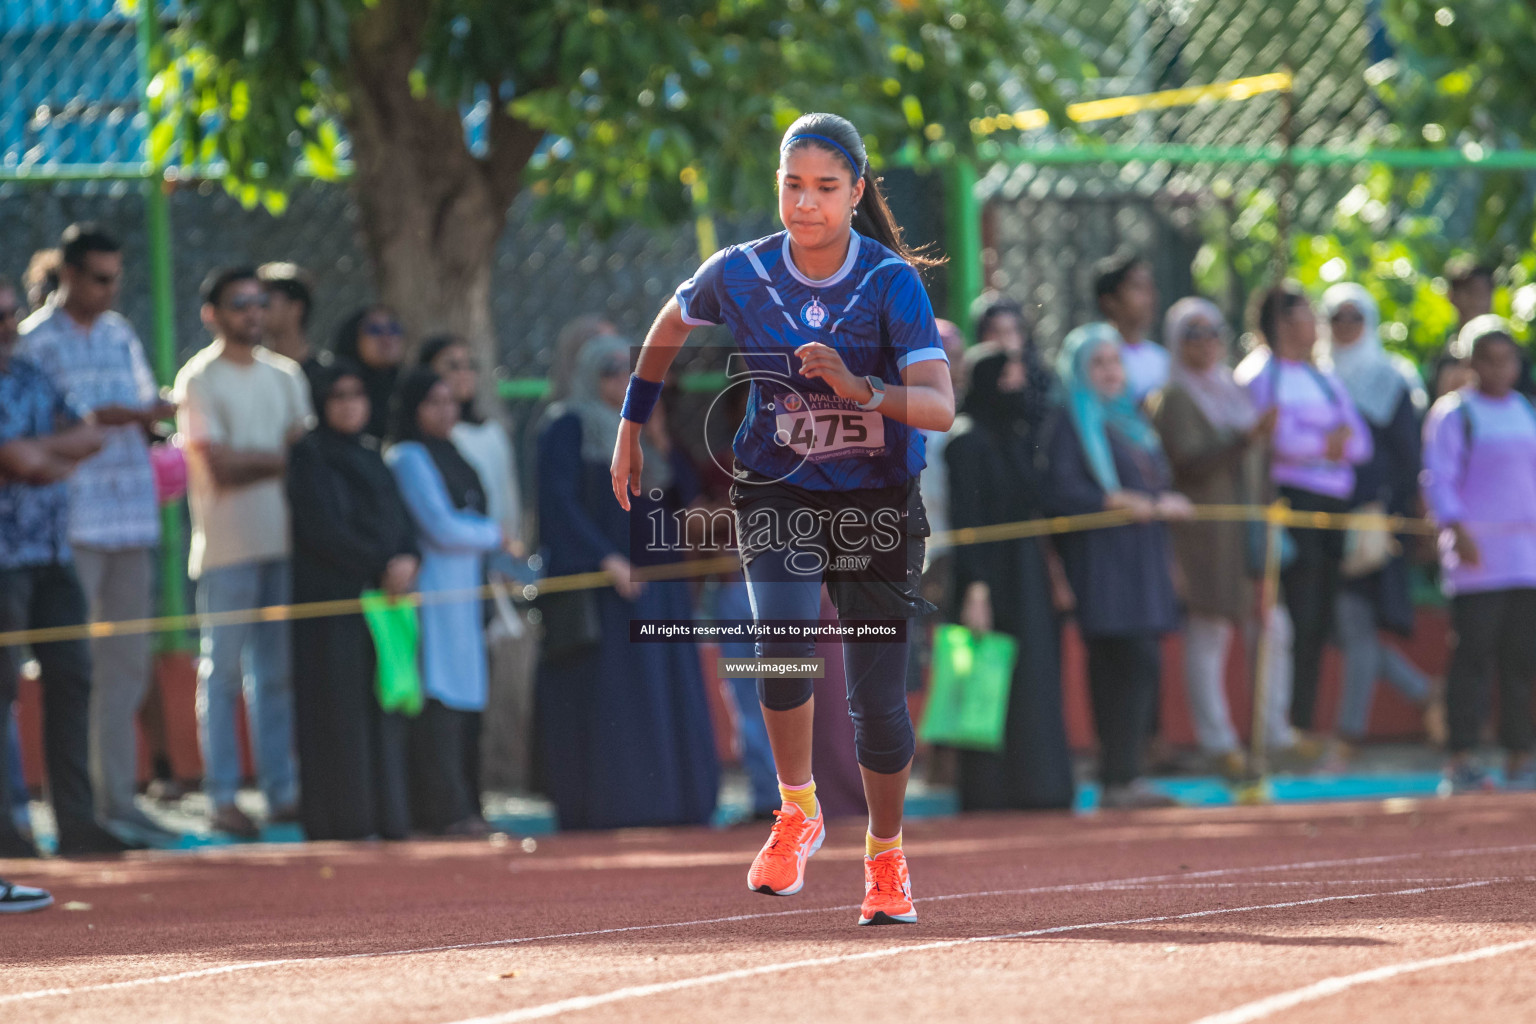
[{"x": 627, "y": 462}]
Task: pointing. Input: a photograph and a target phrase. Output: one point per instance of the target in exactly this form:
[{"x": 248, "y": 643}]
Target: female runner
[{"x": 829, "y": 314}]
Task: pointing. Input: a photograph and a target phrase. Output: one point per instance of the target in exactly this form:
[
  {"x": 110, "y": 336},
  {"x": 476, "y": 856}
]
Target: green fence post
[
  {"x": 962, "y": 228},
  {"x": 157, "y": 226}
]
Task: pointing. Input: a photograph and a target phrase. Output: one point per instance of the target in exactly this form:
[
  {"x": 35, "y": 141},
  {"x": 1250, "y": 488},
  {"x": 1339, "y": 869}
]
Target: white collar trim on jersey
[{"x": 827, "y": 282}]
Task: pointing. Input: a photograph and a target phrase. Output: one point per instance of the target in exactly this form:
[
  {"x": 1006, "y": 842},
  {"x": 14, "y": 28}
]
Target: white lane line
[
  {"x": 575, "y": 1003},
  {"x": 1356, "y": 882},
  {"x": 213, "y": 972},
  {"x": 1309, "y": 865},
  {"x": 1261, "y": 1008}
]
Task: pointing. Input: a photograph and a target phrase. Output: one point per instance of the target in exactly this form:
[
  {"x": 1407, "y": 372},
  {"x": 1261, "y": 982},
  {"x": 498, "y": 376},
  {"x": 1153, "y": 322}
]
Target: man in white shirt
[
  {"x": 241, "y": 406},
  {"x": 1127, "y": 298}
]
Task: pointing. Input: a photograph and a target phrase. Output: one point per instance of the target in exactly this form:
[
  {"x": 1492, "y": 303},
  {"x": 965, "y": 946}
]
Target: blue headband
[{"x": 858, "y": 171}]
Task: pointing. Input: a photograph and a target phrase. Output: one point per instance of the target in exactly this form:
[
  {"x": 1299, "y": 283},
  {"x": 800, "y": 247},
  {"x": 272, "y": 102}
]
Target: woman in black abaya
[
  {"x": 1005, "y": 585},
  {"x": 350, "y": 533}
]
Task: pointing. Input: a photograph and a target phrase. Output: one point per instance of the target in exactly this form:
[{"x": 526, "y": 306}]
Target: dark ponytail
[{"x": 873, "y": 217}]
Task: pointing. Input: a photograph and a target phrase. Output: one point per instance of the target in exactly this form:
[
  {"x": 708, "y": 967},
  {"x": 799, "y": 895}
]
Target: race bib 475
[{"x": 820, "y": 427}]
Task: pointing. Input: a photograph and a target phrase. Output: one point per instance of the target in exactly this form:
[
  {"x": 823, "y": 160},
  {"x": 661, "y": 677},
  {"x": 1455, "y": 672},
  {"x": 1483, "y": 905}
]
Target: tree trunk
[{"x": 432, "y": 211}]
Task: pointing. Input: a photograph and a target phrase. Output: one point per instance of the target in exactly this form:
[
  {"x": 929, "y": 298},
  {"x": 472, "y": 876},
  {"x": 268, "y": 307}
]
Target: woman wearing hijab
[
  {"x": 1319, "y": 440},
  {"x": 1005, "y": 585},
  {"x": 1104, "y": 455},
  {"x": 447, "y": 503},
  {"x": 486, "y": 445},
  {"x": 1387, "y": 392},
  {"x": 1216, "y": 443},
  {"x": 623, "y": 728},
  {"x": 351, "y": 533},
  {"x": 374, "y": 342},
  {"x": 480, "y": 439},
  {"x": 1004, "y": 324}
]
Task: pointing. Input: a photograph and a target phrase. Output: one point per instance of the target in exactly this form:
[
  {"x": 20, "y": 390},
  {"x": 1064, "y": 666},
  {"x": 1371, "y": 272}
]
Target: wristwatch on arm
[{"x": 877, "y": 395}]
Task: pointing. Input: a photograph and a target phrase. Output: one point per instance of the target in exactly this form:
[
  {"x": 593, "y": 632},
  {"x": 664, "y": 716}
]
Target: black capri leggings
[
  {"x": 789, "y": 544},
  {"x": 876, "y": 672}
]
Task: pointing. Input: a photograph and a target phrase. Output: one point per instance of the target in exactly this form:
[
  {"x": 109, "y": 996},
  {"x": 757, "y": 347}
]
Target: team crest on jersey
[
  {"x": 814, "y": 314},
  {"x": 791, "y": 403}
]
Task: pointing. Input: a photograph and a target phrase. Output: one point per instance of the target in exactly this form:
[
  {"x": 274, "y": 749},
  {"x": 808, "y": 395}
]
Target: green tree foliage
[
  {"x": 634, "y": 108},
  {"x": 614, "y": 113},
  {"x": 1464, "y": 76},
  {"x": 1379, "y": 235}
]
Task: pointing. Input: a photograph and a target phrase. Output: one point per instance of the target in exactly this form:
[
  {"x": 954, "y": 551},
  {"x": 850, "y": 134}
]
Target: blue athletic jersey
[{"x": 874, "y": 311}]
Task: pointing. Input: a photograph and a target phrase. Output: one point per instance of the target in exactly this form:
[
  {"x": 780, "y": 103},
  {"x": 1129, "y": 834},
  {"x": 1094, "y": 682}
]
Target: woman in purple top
[
  {"x": 1319, "y": 440},
  {"x": 1480, "y": 483}
]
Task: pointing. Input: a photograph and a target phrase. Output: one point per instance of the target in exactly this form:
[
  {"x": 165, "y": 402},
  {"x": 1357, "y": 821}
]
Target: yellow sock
[
  {"x": 803, "y": 797},
  {"x": 874, "y": 846}
]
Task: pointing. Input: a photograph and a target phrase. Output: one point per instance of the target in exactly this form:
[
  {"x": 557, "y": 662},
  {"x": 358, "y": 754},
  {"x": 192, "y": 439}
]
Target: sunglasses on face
[
  {"x": 241, "y": 303},
  {"x": 1201, "y": 333},
  {"x": 461, "y": 366},
  {"x": 1346, "y": 316},
  {"x": 387, "y": 329},
  {"x": 342, "y": 394}
]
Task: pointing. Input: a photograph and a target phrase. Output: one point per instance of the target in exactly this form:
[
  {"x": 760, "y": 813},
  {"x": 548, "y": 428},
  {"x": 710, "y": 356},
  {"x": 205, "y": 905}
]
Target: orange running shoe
[
  {"x": 779, "y": 869},
  {"x": 887, "y": 890}
]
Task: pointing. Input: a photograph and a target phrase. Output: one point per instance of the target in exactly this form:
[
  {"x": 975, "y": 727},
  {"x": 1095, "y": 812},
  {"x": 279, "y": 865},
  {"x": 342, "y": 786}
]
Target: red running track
[{"x": 1403, "y": 912}]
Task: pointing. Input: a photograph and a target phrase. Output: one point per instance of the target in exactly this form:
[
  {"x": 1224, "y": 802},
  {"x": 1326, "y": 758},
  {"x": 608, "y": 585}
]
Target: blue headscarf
[{"x": 1095, "y": 415}]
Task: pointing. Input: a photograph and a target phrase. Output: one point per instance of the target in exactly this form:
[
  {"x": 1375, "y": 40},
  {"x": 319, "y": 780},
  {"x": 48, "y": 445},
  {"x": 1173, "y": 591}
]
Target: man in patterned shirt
[
  {"x": 92, "y": 355},
  {"x": 43, "y": 437}
]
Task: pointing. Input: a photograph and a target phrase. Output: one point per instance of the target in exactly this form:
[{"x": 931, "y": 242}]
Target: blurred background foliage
[{"x": 612, "y": 117}]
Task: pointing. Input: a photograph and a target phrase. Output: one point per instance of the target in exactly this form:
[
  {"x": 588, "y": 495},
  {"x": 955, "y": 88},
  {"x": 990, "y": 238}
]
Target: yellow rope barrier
[
  {"x": 706, "y": 567},
  {"x": 1236, "y": 89}
]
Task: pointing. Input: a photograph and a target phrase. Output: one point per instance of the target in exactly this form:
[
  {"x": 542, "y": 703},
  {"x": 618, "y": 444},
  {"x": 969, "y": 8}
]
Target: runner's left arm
[{"x": 925, "y": 398}]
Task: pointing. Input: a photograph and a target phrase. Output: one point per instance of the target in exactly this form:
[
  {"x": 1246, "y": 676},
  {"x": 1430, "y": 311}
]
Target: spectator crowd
[{"x": 368, "y": 467}]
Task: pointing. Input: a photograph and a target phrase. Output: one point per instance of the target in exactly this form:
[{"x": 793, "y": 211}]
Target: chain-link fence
[
  {"x": 70, "y": 106},
  {"x": 72, "y": 146},
  {"x": 69, "y": 84},
  {"x": 1046, "y": 224},
  {"x": 544, "y": 276}
]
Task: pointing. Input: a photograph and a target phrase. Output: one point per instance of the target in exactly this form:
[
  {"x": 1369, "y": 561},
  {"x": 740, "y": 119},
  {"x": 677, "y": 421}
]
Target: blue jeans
[{"x": 253, "y": 657}]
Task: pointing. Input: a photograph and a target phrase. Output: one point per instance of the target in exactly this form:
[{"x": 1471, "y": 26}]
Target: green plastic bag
[
  {"x": 968, "y": 695},
  {"x": 396, "y": 633}
]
